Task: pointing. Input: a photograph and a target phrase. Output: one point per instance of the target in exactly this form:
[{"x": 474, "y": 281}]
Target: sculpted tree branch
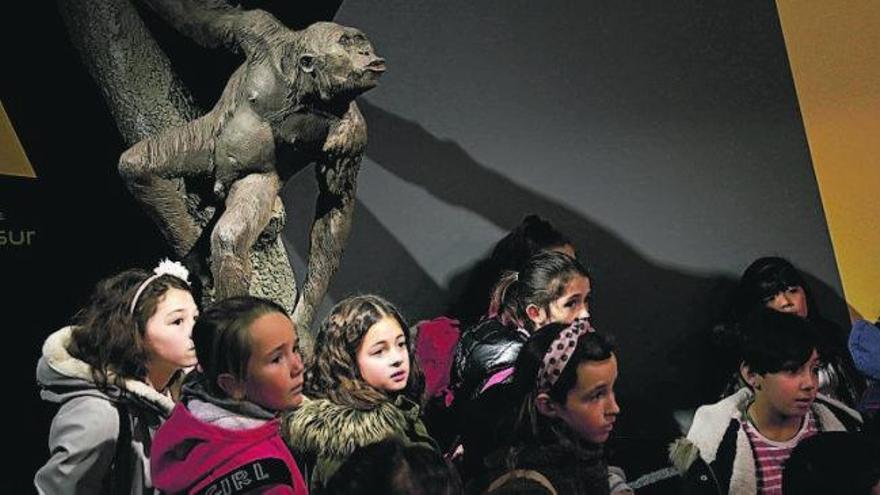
[
  {"x": 214, "y": 23},
  {"x": 291, "y": 103},
  {"x": 142, "y": 92}
]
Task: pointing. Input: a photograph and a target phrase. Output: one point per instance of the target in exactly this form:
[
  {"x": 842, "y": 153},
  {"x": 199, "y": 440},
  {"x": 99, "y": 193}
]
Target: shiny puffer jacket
[{"x": 481, "y": 352}]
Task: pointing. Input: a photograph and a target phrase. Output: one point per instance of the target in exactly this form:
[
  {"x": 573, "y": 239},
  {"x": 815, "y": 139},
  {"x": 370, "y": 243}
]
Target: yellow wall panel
[{"x": 834, "y": 50}]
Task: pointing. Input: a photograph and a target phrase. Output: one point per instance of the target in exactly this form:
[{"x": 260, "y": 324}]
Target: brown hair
[
  {"x": 542, "y": 279},
  {"x": 223, "y": 340},
  {"x": 108, "y": 336},
  {"x": 531, "y": 427},
  {"x": 334, "y": 373}
]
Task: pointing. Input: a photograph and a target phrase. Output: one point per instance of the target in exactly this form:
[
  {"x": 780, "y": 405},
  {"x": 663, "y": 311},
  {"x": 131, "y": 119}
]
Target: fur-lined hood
[
  {"x": 323, "y": 428},
  {"x": 62, "y": 377},
  {"x": 711, "y": 424}
]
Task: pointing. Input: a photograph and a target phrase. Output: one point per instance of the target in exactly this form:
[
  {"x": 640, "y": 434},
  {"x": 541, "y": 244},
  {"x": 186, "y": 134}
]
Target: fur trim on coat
[
  {"x": 323, "y": 428},
  {"x": 323, "y": 434},
  {"x": 88, "y": 425},
  {"x": 58, "y": 358},
  {"x": 713, "y": 422}
]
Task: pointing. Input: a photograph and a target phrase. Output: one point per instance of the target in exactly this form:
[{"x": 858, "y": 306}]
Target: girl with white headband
[
  {"x": 111, "y": 374},
  {"x": 564, "y": 409}
]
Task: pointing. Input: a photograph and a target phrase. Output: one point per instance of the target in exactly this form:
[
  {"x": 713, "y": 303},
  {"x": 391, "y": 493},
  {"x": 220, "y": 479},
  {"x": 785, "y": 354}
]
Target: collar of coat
[
  {"x": 712, "y": 422},
  {"x": 323, "y": 428},
  {"x": 59, "y": 359}
]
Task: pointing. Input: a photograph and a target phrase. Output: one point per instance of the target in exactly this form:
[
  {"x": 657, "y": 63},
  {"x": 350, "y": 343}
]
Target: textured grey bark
[{"x": 134, "y": 75}]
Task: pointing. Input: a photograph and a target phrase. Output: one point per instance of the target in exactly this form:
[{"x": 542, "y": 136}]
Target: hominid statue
[{"x": 290, "y": 104}]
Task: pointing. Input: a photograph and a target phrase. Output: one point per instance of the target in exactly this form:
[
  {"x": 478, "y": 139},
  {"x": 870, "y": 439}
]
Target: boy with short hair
[{"x": 744, "y": 439}]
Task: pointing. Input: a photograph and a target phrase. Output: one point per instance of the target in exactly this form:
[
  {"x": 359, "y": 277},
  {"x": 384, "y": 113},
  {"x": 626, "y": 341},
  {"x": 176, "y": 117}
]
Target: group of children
[
  {"x": 153, "y": 395},
  {"x": 119, "y": 371}
]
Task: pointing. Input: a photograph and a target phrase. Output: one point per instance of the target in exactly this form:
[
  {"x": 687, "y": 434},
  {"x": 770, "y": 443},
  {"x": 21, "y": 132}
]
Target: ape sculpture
[{"x": 290, "y": 104}]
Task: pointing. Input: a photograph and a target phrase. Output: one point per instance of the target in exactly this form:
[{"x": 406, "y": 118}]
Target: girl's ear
[
  {"x": 536, "y": 314},
  {"x": 750, "y": 377},
  {"x": 546, "y": 406},
  {"x": 233, "y": 387}
]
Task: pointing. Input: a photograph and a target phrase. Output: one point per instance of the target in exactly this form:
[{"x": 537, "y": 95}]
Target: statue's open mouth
[{"x": 376, "y": 66}]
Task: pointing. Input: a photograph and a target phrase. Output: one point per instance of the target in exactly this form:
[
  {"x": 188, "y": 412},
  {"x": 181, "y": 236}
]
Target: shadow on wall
[
  {"x": 652, "y": 311},
  {"x": 374, "y": 260},
  {"x": 659, "y": 316}
]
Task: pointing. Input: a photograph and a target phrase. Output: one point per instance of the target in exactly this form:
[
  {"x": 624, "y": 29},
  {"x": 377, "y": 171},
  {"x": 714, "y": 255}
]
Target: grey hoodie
[{"x": 84, "y": 431}]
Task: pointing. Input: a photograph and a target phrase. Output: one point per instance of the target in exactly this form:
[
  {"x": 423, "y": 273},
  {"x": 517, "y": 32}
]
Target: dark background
[{"x": 663, "y": 137}]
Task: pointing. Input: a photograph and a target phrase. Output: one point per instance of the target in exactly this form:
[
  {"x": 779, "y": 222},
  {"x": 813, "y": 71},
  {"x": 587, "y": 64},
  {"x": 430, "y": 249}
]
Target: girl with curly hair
[{"x": 364, "y": 384}]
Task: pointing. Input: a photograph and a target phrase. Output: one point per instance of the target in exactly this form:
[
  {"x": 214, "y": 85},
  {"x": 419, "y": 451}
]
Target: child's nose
[
  {"x": 297, "y": 366},
  {"x": 809, "y": 381},
  {"x": 783, "y": 300},
  {"x": 400, "y": 355},
  {"x": 613, "y": 407}
]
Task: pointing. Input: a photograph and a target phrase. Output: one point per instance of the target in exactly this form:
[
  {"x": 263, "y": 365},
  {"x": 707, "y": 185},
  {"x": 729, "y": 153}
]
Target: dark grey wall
[{"x": 664, "y": 137}]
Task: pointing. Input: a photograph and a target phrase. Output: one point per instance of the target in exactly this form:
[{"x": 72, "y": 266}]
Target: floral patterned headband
[{"x": 166, "y": 267}]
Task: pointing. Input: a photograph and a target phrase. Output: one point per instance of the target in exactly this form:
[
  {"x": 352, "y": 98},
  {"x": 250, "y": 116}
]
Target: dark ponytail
[{"x": 542, "y": 280}]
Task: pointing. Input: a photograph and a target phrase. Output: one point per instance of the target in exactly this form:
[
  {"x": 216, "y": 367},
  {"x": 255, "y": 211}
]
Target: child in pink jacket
[{"x": 224, "y": 435}]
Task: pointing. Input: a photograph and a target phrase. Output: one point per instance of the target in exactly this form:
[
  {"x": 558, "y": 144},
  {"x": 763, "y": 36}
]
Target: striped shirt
[{"x": 770, "y": 455}]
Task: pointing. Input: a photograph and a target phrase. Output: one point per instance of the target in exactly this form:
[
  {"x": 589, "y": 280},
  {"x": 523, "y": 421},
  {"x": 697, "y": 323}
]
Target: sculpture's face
[
  {"x": 359, "y": 60},
  {"x": 341, "y": 61}
]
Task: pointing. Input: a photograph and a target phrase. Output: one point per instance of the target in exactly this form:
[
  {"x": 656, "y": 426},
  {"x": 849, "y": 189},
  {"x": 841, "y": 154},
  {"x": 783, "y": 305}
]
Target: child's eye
[
  {"x": 597, "y": 395},
  {"x": 178, "y": 321}
]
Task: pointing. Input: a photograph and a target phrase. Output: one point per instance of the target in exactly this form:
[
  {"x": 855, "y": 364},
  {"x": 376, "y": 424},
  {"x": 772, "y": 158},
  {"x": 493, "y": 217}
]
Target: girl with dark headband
[
  {"x": 551, "y": 287},
  {"x": 563, "y": 387}
]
